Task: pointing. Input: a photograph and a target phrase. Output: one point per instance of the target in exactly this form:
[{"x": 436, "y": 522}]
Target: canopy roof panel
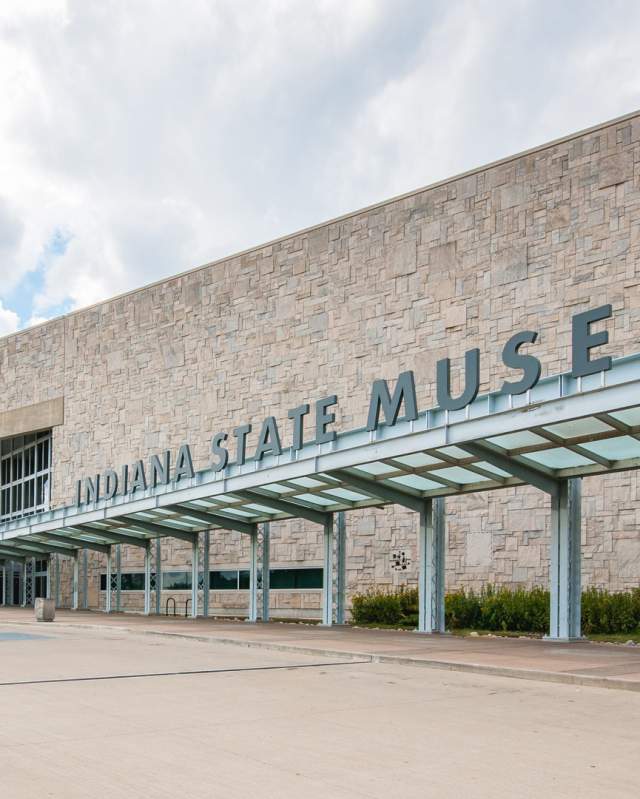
[{"x": 562, "y": 428}]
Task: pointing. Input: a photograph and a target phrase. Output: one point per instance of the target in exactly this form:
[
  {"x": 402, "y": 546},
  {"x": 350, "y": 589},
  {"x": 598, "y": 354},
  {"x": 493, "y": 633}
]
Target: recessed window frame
[{"x": 25, "y": 475}]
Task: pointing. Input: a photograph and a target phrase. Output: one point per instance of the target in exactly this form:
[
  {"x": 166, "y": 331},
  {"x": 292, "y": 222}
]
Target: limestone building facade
[{"x": 523, "y": 243}]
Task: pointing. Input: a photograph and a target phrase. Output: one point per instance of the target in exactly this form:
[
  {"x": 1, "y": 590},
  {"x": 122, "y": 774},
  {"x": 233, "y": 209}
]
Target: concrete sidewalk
[
  {"x": 92, "y": 710},
  {"x": 581, "y": 663}
]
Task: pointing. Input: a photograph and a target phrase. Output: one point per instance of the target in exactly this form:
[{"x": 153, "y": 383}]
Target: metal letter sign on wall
[{"x": 384, "y": 407}]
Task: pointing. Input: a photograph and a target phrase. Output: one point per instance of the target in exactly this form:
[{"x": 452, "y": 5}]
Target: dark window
[
  {"x": 176, "y": 581},
  {"x": 132, "y": 581},
  {"x": 281, "y": 579},
  {"x": 227, "y": 580},
  {"x": 129, "y": 581},
  {"x": 223, "y": 580},
  {"x": 295, "y": 578},
  {"x": 41, "y": 586},
  {"x": 25, "y": 473}
]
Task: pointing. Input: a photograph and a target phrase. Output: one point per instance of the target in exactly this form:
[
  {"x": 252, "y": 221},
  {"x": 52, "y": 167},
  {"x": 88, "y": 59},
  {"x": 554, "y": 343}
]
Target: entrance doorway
[{"x": 17, "y": 585}]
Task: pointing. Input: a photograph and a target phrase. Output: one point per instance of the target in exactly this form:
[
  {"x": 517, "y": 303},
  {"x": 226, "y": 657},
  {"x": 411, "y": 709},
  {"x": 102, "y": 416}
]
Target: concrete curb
[{"x": 535, "y": 675}]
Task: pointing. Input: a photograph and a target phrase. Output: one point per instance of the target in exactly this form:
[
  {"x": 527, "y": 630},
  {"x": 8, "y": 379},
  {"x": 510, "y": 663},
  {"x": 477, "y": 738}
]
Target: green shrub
[
  {"x": 376, "y": 607},
  {"x": 502, "y": 609},
  {"x": 462, "y": 609},
  {"x": 408, "y": 601},
  {"x": 603, "y": 612},
  {"x": 521, "y": 610}
]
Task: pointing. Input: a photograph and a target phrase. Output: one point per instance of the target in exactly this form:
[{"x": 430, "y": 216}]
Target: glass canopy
[{"x": 564, "y": 428}]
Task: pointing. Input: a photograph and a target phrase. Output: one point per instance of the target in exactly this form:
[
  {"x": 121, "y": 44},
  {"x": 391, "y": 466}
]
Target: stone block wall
[{"x": 523, "y": 243}]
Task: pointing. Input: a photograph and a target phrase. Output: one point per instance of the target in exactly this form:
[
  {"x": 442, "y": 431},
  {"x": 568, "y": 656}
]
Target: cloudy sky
[{"x": 139, "y": 138}]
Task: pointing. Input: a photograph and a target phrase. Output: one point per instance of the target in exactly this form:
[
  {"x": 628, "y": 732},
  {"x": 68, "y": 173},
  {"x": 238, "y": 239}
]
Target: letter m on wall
[{"x": 382, "y": 401}]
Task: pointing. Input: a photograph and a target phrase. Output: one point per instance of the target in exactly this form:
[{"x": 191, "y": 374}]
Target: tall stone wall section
[{"x": 525, "y": 243}]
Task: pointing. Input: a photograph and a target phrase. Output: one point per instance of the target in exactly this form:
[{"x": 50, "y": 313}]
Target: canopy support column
[
  {"x": 4, "y": 583},
  {"x": 147, "y": 579},
  {"x": 85, "y": 580},
  {"x": 206, "y": 545},
  {"x": 341, "y": 577},
  {"x": 23, "y": 601},
  {"x": 57, "y": 583},
  {"x": 253, "y": 576},
  {"x": 158, "y": 576},
  {"x": 266, "y": 567},
  {"x": 566, "y": 516},
  {"x": 107, "y": 598},
  {"x": 431, "y": 552},
  {"x": 195, "y": 555},
  {"x": 327, "y": 573},
  {"x": 76, "y": 581},
  {"x": 119, "y": 578},
  {"x": 48, "y": 578}
]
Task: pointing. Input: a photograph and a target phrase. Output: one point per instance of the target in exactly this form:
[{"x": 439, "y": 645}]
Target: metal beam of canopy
[
  {"x": 158, "y": 529},
  {"x": 377, "y": 489},
  {"x": 529, "y": 474},
  {"x": 111, "y": 535},
  {"x": 13, "y": 554},
  {"x": 80, "y": 543},
  {"x": 35, "y": 546},
  {"x": 27, "y": 551},
  {"x": 294, "y": 509},
  {"x": 212, "y": 519}
]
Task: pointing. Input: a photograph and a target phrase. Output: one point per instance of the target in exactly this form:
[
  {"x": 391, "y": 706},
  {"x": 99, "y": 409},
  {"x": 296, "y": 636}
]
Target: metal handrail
[
  {"x": 186, "y": 607},
  {"x": 166, "y": 606}
]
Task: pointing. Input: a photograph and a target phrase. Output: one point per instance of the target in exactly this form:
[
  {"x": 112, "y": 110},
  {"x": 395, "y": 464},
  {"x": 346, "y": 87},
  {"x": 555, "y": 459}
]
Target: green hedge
[{"x": 501, "y": 609}]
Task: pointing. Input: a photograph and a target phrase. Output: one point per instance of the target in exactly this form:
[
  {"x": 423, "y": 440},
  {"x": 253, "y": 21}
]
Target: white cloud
[
  {"x": 161, "y": 136},
  {"x": 9, "y": 320}
]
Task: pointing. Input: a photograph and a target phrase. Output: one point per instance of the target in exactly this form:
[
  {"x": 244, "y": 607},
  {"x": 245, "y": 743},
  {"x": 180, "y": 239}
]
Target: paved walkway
[
  {"x": 582, "y": 663},
  {"x": 94, "y": 710}
]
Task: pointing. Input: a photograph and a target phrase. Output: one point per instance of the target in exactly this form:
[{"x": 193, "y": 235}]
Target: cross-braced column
[
  {"x": 85, "y": 581},
  {"x": 206, "y": 542},
  {"x": 327, "y": 579},
  {"x": 341, "y": 567},
  {"x": 566, "y": 515},
  {"x": 110, "y": 583},
  {"x": 158, "y": 576},
  {"x": 253, "y": 576},
  {"x": 147, "y": 578},
  {"x": 31, "y": 581},
  {"x": 431, "y": 567},
  {"x": 118, "y": 578},
  {"x": 76, "y": 581},
  {"x": 57, "y": 583},
  {"x": 23, "y": 584},
  {"x": 266, "y": 569},
  {"x": 47, "y": 592},
  {"x": 195, "y": 553}
]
